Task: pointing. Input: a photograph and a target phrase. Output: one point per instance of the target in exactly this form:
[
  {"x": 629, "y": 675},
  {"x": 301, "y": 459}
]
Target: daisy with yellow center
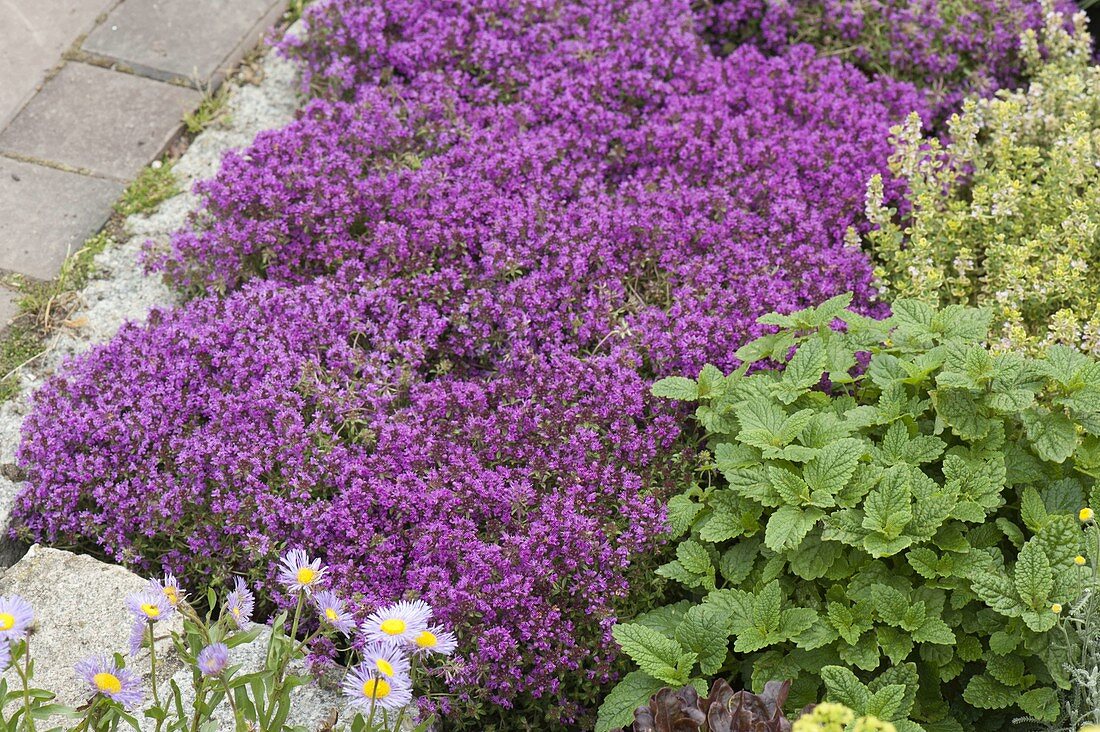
[
  {"x": 299, "y": 573},
  {"x": 400, "y": 622},
  {"x": 16, "y": 617},
  {"x": 105, "y": 678},
  {"x": 333, "y": 611},
  {"x": 436, "y": 640},
  {"x": 367, "y": 690},
  {"x": 149, "y": 606},
  {"x": 387, "y": 660}
]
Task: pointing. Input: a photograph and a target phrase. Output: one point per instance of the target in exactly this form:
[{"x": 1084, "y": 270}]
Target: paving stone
[
  {"x": 45, "y": 213},
  {"x": 176, "y": 39},
  {"x": 104, "y": 121},
  {"x": 33, "y": 35}
]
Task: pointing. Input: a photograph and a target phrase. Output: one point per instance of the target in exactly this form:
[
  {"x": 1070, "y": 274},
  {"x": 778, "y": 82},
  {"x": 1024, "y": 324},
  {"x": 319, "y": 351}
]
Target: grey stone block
[
  {"x": 9, "y": 306},
  {"x": 80, "y": 609},
  {"x": 99, "y": 120},
  {"x": 46, "y": 213},
  {"x": 188, "y": 40},
  {"x": 33, "y": 35}
]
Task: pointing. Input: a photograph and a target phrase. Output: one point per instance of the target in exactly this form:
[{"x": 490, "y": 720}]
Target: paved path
[{"x": 90, "y": 92}]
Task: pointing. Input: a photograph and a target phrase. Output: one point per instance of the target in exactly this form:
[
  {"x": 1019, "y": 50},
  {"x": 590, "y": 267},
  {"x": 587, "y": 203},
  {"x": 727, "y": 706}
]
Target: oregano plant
[{"x": 890, "y": 521}]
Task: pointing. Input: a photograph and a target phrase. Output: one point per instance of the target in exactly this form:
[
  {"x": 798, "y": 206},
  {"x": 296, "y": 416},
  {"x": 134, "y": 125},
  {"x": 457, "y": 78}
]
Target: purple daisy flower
[
  {"x": 364, "y": 688},
  {"x": 5, "y": 655},
  {"x": 299, "y": 573},
  {"x": 107, "y": 679},
  {"x": 170, "y": 588},
  {"x": 401, "y": 621},
  {"x": 138, "y": 632},
  {"x": 239, "y": 604},
  {"x": 16, "y": 617},
  {"x": 149, "y": 606},
  {"x": 213, "y": 659},
  {"x": 387, "y": 660},
  {"x": 333, "y": 611},
  {"x": 435, "y": 640}
]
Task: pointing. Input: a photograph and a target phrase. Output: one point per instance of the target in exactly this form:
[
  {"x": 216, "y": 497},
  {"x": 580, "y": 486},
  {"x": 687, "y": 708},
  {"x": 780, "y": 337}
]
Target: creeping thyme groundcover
[{"x": 425, "y": 314}]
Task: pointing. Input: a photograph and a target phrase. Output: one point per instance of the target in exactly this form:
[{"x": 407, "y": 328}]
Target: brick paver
[
  {"x": 45, "y": 214},
  {"x": 73, "y": 132},
  {"x": 157, "y": 38},
  {"x": 98, "y": 120}
]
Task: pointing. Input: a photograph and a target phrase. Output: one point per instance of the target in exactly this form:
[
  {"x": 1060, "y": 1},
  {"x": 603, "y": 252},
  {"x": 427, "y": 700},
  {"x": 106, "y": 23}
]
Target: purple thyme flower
[
  {"x": 107, "y": 679},
  {"x": 299, "y": 573},
  {"x": 16, "y": 617},
  {"x": 213, "y": 659},
  {"x": 239, "y": 604},
  {"x": 364, "y": 687},
  {"x": 402, "y": 621},
  {"x": 333, "y": 611}
]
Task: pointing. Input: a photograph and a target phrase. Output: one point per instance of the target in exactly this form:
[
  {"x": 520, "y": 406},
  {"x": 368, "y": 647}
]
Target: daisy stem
[
  {"x": 373, "y": 699},
  {"x": 153, "y": 670},
  {"x": 412, "y": 679},
  {"x": 27, "y": 721},
  {"x": 237, "y": 721}
]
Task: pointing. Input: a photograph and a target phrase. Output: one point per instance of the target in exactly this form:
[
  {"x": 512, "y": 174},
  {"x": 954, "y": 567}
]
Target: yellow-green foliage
[
  {"x": 830, "y": 717},
  {"x": 1007, "y": 214}
]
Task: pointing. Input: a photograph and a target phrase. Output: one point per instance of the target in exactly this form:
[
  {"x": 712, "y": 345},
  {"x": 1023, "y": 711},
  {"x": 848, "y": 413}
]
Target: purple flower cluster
[
  {"x": 950, "y": 48},
  {"x": 433, "y": 305}
]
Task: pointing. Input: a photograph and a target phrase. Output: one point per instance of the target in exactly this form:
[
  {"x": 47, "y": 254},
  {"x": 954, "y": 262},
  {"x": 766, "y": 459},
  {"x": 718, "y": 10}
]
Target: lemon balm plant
[{"x": 893, "y": 516}]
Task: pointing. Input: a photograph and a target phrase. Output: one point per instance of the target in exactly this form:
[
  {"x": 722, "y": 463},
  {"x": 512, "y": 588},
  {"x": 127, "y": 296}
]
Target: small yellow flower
[
  {"x": 1056, "y": 608},
  {"x": 1090, "y": 728},
  {"x": 1085, "y": 514},
  {"x": 1079, "y": 560}
]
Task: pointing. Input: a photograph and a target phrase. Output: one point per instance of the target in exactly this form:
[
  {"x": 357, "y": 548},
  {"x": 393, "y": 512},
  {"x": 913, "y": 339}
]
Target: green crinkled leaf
[
  {"x": 788, "y": 526},
  {"x": 681, "y": 514},
  {"x": 959, "y": 409},
  {"x": 985, "y": 692},
  {"x": 1039, "y": 621},
  {"x": 676, "y": 387},
  {"x": 833, "y": 466},
  {"x": 617, "y": 709},
  {"x": 1053, "y": 436},
  {"x": 693, "y": 556},
  {"x": 934, "y": 630},
  {"x": 814, "y": 557},
  {"x": 842, "y": 686},
  {"x": 1042, "y": 704},
  {"x": 1032, "y": 510},
  {"x": 886, "y": 703},
  {"x": 705, "y": 631},
  {"x": 1062, "y": 363},
  {"x": 999, "y": 592},
  {"x": 803, "y": 371},
  {"x": 1009, "y": 670},
  {"x": 887, "y": 508},
  {"x": 1033, "y": 577},
  {"x": 656, "y": 655},
  {"x": 665, "y": 618},
  {"x": 736, "y": 563},
  {"x": 895, "y": 644}
]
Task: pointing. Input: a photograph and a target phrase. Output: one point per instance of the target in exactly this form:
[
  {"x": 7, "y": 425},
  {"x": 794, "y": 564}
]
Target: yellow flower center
[
  {"x": 376, "y": 689},
  {"x": 306, "y": 575},
  {"x": 173, "y": 595},
  {"x": 384, "y": 666},
  {"x": 7, "y": 621},
  {"x": 106, "y": 682},
  {"x": 236, "y": 610},
  {"x": 330, "y": 614},
  {"x": 394, "y": 626},
  {"x": 150, "y": 610},
  {"x": 427, "y": 639}
]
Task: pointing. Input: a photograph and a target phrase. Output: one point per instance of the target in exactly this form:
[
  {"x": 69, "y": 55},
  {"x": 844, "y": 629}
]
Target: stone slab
[
  {"x": 33, "y": 35},
  {"x": 46, "y": 213},
  {"x": 180, "y": 40},
  {"x": 102, "y": 121},
  {"x": 80, "y": 610}
]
